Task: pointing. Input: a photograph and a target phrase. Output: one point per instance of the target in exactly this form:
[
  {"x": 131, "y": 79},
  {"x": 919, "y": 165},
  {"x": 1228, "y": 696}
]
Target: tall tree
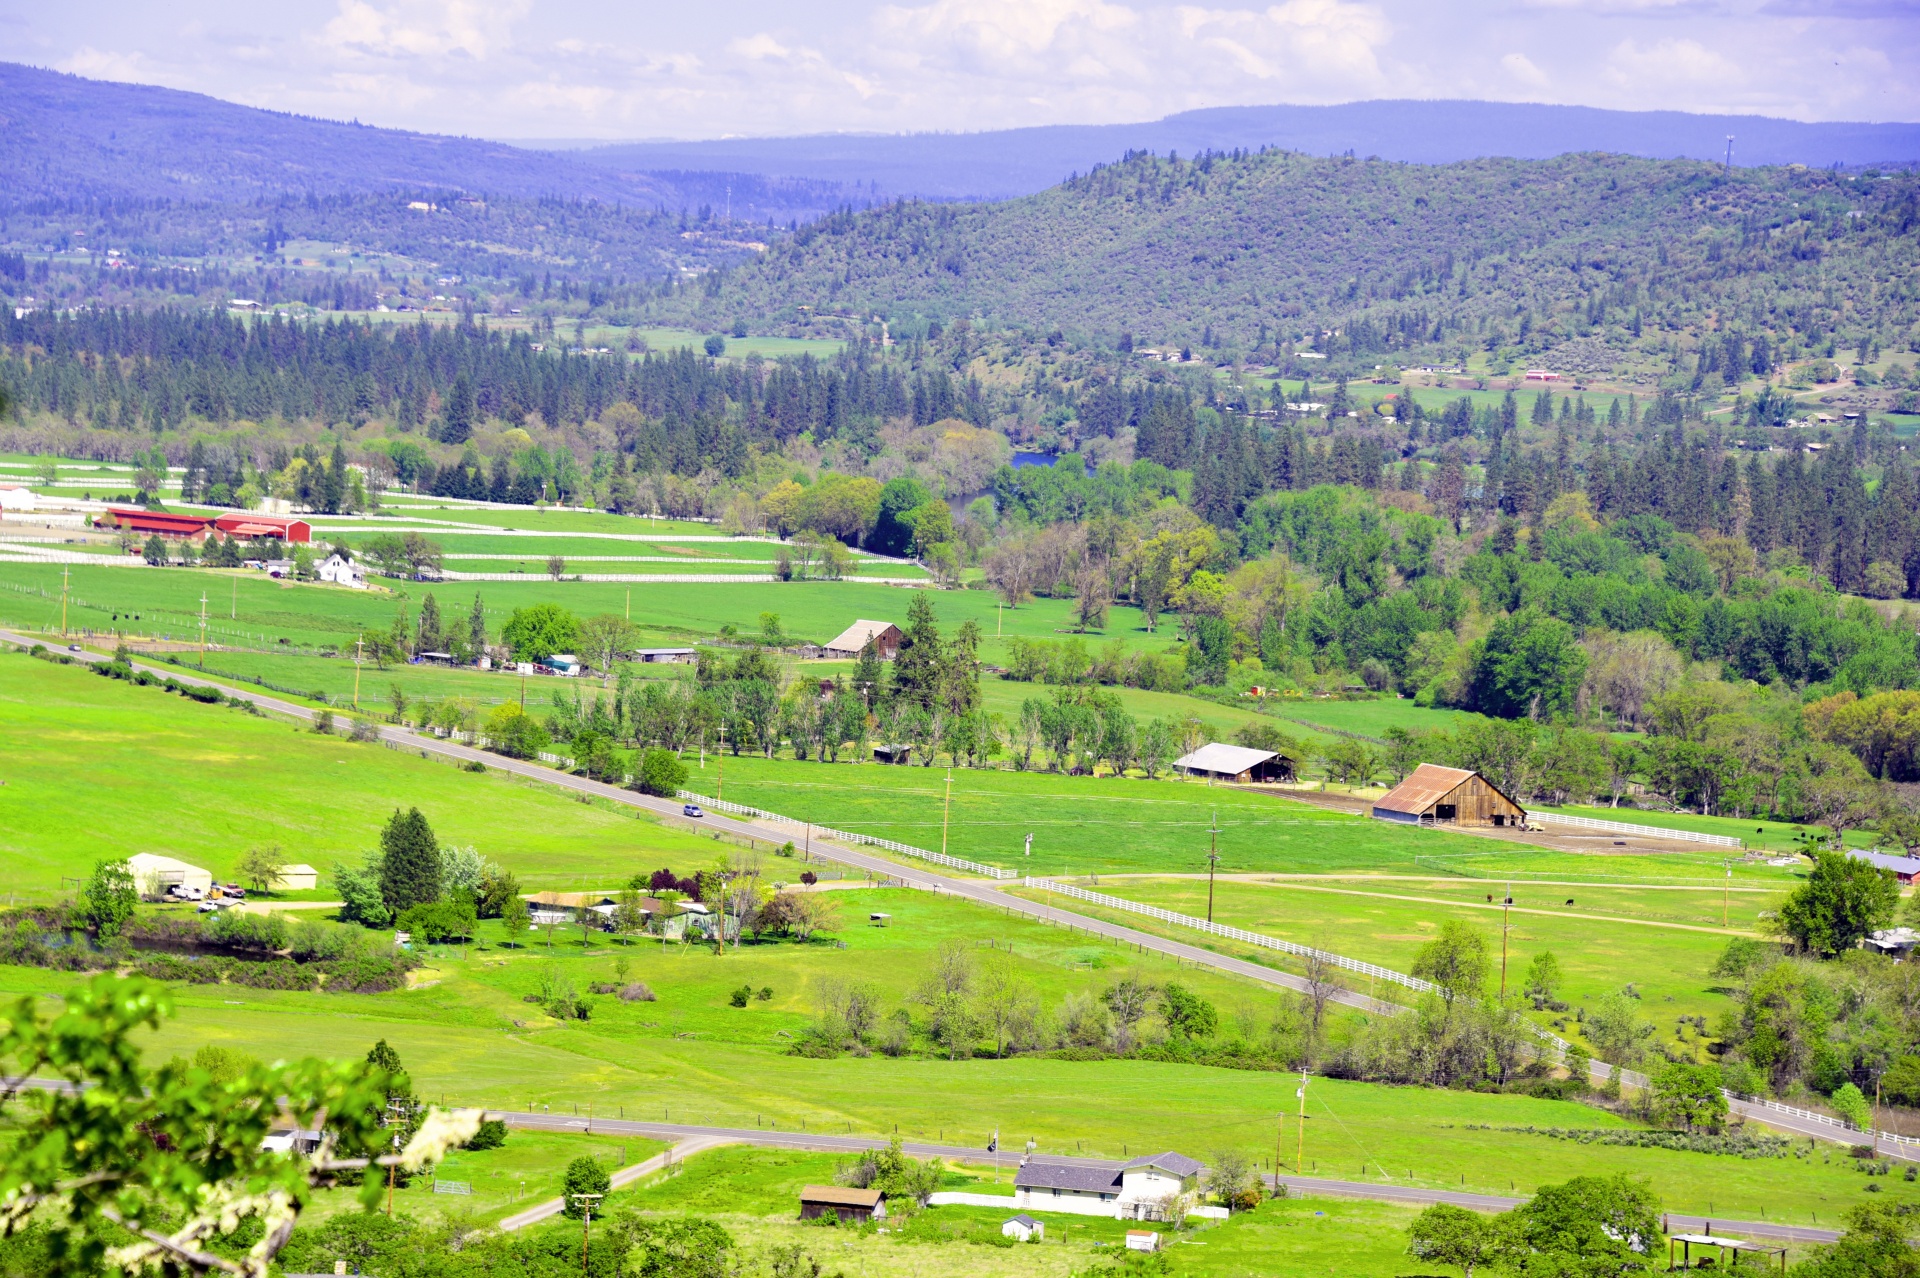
[
  {"x": 921, "y": 658},
  {"x": 410, "y": 861}
]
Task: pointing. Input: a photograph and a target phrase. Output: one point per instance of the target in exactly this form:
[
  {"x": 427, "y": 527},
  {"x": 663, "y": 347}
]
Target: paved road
[
  {"x": 979, "y": 891},
  {"x": 679, "y": 1153}
]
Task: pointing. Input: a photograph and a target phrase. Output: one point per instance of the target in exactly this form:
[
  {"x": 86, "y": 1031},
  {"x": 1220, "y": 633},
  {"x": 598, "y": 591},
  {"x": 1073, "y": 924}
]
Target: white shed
[
  {"x": 17, "y": 497},
  {"x": 1023, "y": 1228},
  {"x": 154, "y": 874},
  {"x": 297, "y": 878}
]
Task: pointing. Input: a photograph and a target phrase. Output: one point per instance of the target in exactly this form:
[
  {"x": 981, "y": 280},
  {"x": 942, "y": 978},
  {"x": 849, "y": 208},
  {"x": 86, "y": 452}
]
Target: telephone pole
[
  {"x": 1213, "y": 859},
  {"x": 1300, "y": 1143},
  {"x": 359, "y": 652},
  {"x": 946, "y": 809},
  {"x": 586, "y": 1202},
  {"x": 1506, "y": 910},
  {"x": 66, "y": 575},
  {"x": 1726, "y": 894},
  {"x": 203, "y": 628}
]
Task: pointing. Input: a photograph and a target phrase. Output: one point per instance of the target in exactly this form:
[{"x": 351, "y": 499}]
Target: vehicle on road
[{"x": 692, "y": 810}]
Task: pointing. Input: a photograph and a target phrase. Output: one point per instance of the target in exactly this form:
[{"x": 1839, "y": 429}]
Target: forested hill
[{"x": 1225, "y": 250}]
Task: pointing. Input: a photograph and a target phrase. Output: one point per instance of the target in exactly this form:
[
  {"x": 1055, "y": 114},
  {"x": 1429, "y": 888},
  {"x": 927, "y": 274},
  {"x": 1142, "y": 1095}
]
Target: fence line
[
  {"x": 1232, "y": 933},
  {"x": 1645, "y": 831},
  {"x": 1827, "y": 1120},
  {"x": 847, "y": 836}
]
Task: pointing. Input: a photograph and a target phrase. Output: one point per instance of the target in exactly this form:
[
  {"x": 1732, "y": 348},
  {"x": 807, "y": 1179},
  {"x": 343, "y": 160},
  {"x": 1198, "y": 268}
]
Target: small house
[
  {"x": 672, "y": 656},
  {"x": 852, "y": 1206},
  {"x": 342, "y": 571},
  {"x": 1218, "y": 762},
  {"x": 900, "y": 754},
  {"x": 1895, "y": 942},
  {"x": 297, "y": 878},
  {"x": 154, "y": 875},
  {"x": 885, "y": 635},
  {"x": 1150, "y": 1182},
  {"x": 563, "y": 663},
  {"x": 1023, "y": 1228},
  {"x": 1433, "y": 795},
  {"x": 1142, "y": 1240},
  {"x": 291, "y": 1140},
  {"x": 1043, "y": 1184}
]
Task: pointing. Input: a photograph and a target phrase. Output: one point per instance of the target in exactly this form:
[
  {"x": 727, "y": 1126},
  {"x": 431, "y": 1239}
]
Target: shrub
[
  {"x": 492, "y": 1135},
  {"x": 740, "y": 996},
  {"x": 661, "y": 773},
  {"x": 584, "y": 1176},
  {"x": 636, "y": 992}
]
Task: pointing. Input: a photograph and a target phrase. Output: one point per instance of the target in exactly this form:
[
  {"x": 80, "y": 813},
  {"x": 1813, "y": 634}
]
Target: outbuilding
[
  {"x": 1142, "y": 1240},
  {"x": 248, "y": 524},
  {"x": 297, "y": 878},
  {"x": 164, "y": 522},
  {"x": 1218, "y": 762},
  {"x": 153, "y": 874},
  {"x": 16, "y": 497},
  {"x": 1433, "y": 795},
  {"x": 672, "y": 656},
  {"x": 1903, "y": 868},
  {"x": 1023, "y": 1228},
  {"x": 885, "y": 635},
  {"x": 852, "y": 1206}
]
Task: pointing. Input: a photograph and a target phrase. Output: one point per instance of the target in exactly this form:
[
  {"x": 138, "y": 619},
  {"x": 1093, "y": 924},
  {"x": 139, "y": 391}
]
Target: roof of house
[
  {"x": 855, "y": 637},
  {"x": 571, "y": 900},
  {"x": 840, "y": 1196},
  {"x": 1229, "y": 759},
  {"x": 1894, "y": 938},
  {"x": 1041, "y": 1173},
  {"x": 1023, "y": 1220},
  {"x": 1179, "y": 1164},
  {"x": 1426, "y": 785},
  {"x": 1886, "y": 861},
  {"x": 298, "y": 867}
]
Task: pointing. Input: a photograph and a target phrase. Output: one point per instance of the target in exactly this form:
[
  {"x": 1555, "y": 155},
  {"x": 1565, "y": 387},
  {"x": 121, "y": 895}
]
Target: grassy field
[
  {"x": 96, "y": 766},
  {"x": 1660, "y": 940},
  {"x": 251, "y": 609},
  {"x": 527, "y": 1170},
  {"x": 1085, "y": 825}
]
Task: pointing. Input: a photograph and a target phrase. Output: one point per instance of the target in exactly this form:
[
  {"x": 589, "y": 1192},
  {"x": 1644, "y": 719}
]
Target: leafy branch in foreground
[{"x": 131, "y": 1170}]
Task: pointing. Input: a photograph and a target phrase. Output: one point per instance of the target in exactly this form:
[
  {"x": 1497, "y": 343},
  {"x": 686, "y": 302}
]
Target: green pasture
[
  {"x": 1662, "y": 942},
  {"x": 460, "y": 1040},
  {"x": 668, "y": 339},
  {"x": 168, "y": 602},
  {"x": 97, "y": 766},
  {"x": 1366, "y": 718},
  {"x": 401, "y": 508},
  {"x": 1758, "y": 835},
  {"x": 526, "y": 1171}
]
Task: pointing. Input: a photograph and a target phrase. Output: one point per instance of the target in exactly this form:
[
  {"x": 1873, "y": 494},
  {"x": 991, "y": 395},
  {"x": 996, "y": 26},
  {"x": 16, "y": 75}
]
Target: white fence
[
  {"x": 1644, "y": 831},
  {"x": 1826, "y": 1120},
  {"x": 847, "y": 836},
  {"x": 1232, "y": 933}
]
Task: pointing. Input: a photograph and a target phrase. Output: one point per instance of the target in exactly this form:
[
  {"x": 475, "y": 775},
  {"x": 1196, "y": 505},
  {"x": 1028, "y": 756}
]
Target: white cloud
[
  {"x": 107, "y": 64},
  {"x": 1672, "y": 66},
  {"x": 423, "y": 28},
  {"x": 1521, "y": 68}
]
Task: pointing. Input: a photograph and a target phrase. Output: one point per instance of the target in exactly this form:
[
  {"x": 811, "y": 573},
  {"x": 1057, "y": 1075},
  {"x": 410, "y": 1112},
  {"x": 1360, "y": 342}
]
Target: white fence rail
[
  {"x": 1825, "y": 1120},
  {"x": 1644, "y": 831},
  {"x": 847, "y": 836},
  {"x": 1231, "y": 933}
]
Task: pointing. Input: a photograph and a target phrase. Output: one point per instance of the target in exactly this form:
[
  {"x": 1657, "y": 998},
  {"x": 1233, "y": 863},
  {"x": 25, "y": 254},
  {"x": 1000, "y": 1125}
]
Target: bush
[
  {"x": 492, "y": 1135},
  {"x": 740, "y": 996},
  {"x": 661, "y": 773},
  {"x": 636, "y": 992}
]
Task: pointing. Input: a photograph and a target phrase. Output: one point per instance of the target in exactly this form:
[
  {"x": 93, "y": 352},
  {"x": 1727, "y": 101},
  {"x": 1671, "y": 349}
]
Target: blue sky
[{"x": 642, "y": 68}]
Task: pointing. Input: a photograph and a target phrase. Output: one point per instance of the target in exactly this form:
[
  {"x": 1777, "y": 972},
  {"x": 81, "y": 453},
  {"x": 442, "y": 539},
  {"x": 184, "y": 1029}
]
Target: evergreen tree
[
  {"x": 869, "y": 675},
  {"x": 431, "y": 635},
  {"x": 410, "y": 865},
  {"x": 477, "y": 626},
  {"x": 456, "y": 418},
  {"x": 333, "y": 481},
  {"x": 920, "y": 661}
]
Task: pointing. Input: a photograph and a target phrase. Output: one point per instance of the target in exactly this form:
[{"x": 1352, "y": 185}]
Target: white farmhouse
[{"x": 342, "y": 571}]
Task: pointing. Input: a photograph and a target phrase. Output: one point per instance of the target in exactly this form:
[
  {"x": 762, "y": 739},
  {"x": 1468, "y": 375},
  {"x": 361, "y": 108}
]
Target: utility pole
[
  {"x": 586, "y": 1202},
  {"x": 1726, "y": 894},
  {"x": 66, "y": 575},
  {"x": 203, "y": 627},
  {"x": 1300, "y": 1143},
  {"x": 720, "y": 790},
  {"x": 1506, "y": 910},
  {"x": 233, "y": 606},
  {"x": 1729, "y": 164},
  {"x": 359, "y": 652},
  {"x": 1213, "y": 859},
  {"x": 629, "y": 603},
  {"x": 946, "y": 808}
]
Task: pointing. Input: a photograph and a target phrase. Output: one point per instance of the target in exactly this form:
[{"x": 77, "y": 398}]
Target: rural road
[
  {"x": 978, "y": 891},
  {"x": 678, "y": 1153}
]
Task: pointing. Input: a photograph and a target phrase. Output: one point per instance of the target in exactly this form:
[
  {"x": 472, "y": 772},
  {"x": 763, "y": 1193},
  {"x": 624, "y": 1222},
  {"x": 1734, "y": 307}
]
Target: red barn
[
  {"x": 245, "y": 524},
  {"x": 165, "y": 523}
]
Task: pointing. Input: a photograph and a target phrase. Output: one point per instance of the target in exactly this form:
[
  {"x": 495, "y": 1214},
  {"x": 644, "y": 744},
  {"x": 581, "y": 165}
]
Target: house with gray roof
[{"x": 1137, "y": 1190}]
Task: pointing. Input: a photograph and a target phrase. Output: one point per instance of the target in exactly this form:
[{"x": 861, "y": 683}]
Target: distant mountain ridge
[
  {"x": 1014, "y": 162},
  {"x": 66, "y": 137}
]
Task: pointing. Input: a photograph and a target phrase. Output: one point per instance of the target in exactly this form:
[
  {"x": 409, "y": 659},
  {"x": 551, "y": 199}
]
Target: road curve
[{"x": 977, "y": 891}]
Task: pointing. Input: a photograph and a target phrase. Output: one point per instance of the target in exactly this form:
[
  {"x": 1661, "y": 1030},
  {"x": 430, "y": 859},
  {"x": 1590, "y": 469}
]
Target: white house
[
  {"x": 342, "y": 571},
  {"x": 154, "y": 874},
  {"x": 1138, "y": 1190},
  {"x": 17, "y": 498},
  {"x": 288, "y": 1140}
]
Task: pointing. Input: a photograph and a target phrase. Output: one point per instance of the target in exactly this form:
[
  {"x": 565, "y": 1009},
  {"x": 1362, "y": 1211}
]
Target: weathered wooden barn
[{"x": 1433, "y": 795}]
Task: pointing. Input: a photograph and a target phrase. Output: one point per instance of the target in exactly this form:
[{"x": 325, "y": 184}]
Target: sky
[{"x": 633, "y": 69}]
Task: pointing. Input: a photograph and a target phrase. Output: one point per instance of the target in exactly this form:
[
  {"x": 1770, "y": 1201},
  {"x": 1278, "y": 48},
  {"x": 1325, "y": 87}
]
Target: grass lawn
[
  {"x": 1365, "y": 718},
  {"x": 1661, "y": 941},
  {"x": 96, "y": 766},
  {"x": 1757, "y": 834}
]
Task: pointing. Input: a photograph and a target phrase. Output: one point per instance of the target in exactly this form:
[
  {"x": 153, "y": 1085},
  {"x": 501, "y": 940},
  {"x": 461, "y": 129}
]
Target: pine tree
[
  {"x": 477, "y": 626},
  {"x": 410, "y": 864},
  {"x": 919, "y": 662},
  {"x": 869, "y": 676},
  {"x": 430, "y": 636}
]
